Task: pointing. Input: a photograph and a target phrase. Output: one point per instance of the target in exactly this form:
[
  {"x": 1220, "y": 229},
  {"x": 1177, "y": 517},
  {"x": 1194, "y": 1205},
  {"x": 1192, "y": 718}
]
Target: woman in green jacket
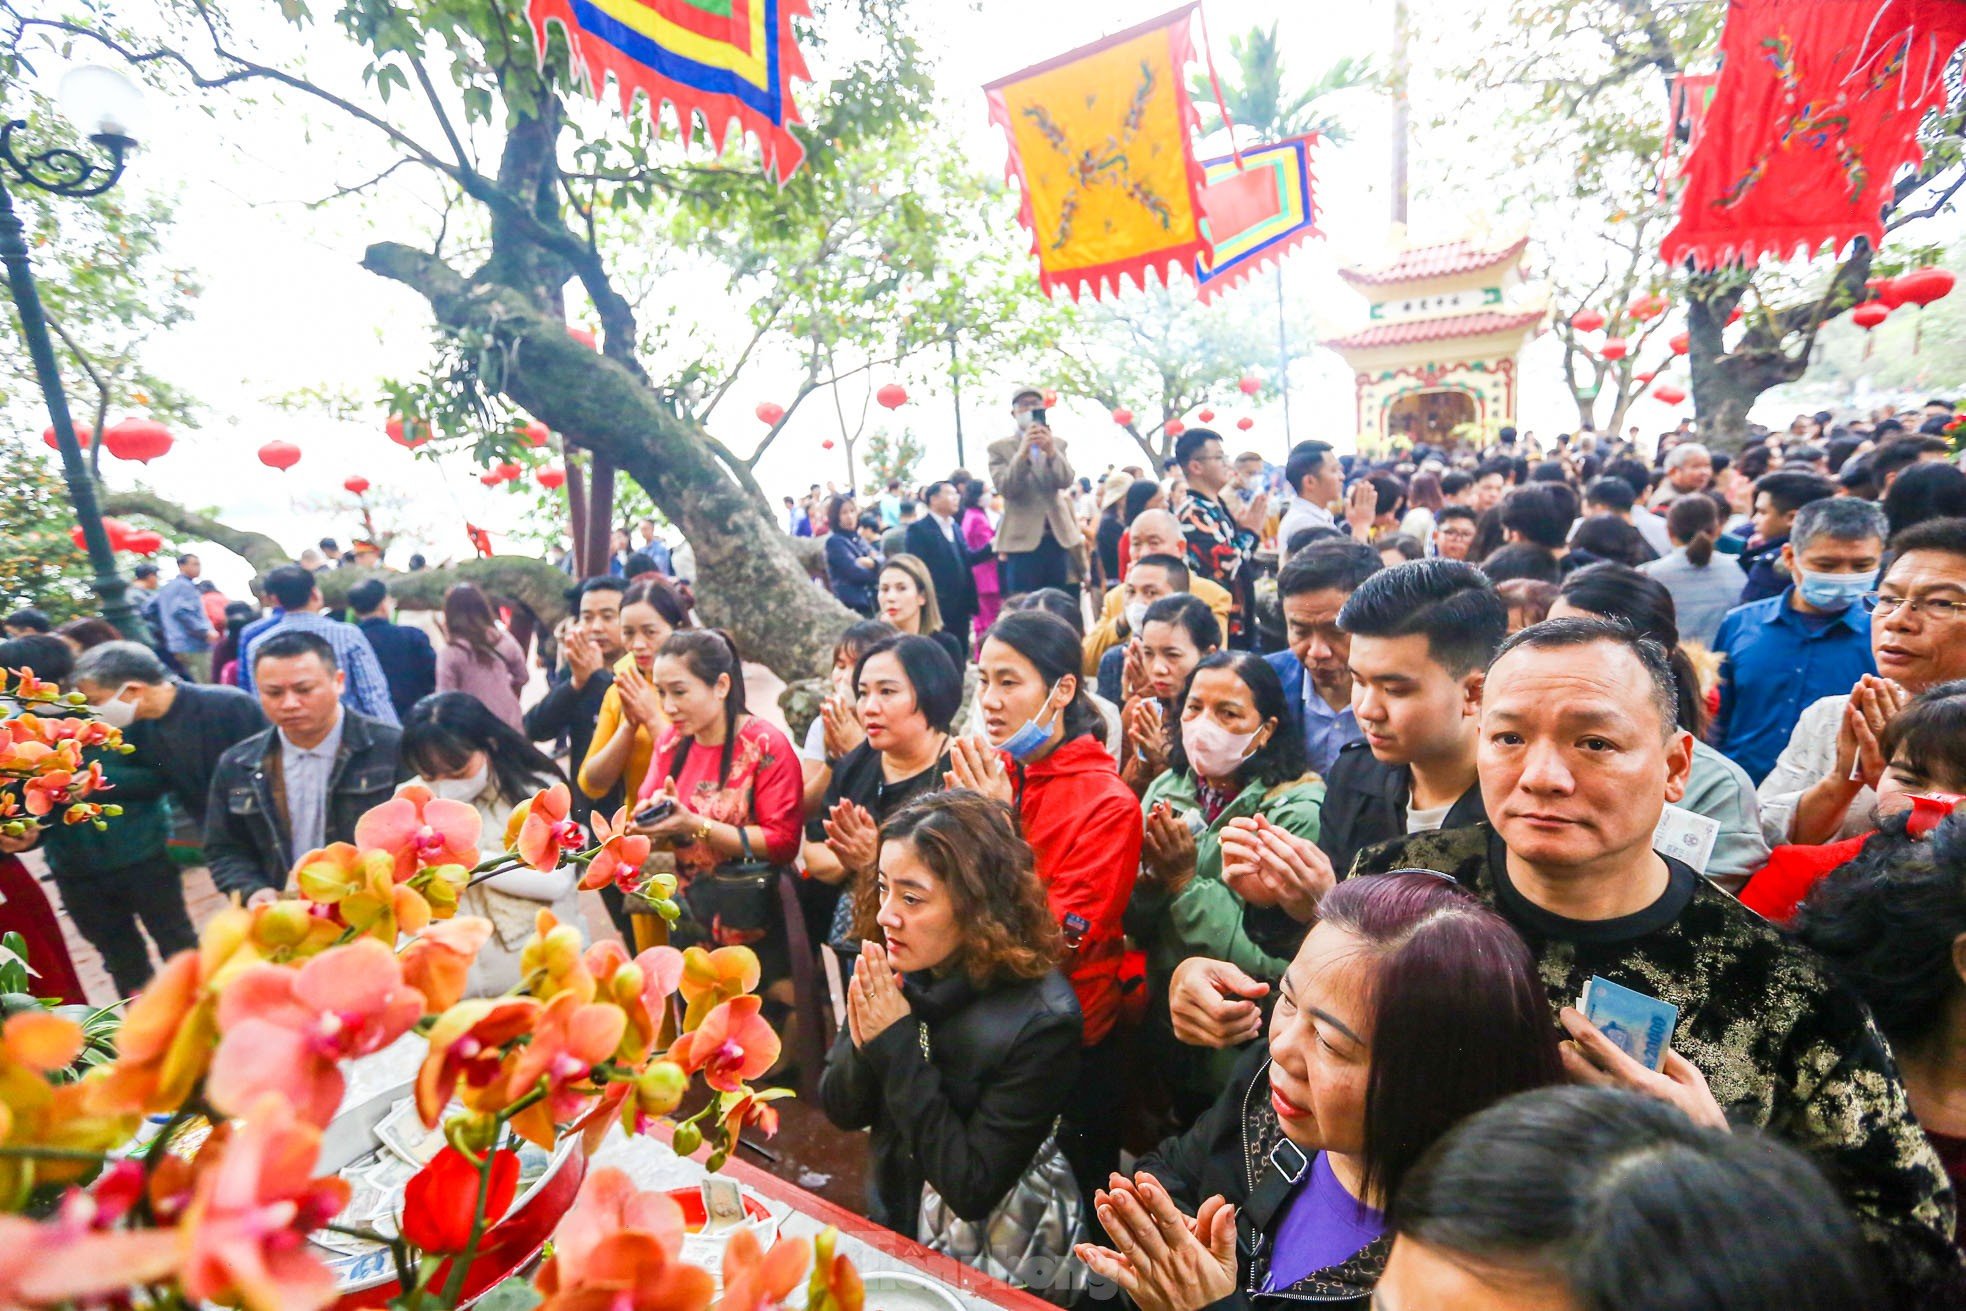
[{"x": 1238, "y": 753}]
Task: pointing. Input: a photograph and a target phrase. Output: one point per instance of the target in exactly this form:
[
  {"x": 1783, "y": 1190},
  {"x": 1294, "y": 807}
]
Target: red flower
[{"x": 439, "y": 1200}]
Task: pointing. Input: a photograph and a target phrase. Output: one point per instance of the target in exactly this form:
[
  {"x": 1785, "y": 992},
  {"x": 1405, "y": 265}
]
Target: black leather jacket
[
  {"x": 1229, "y": 1151},
  {"x": 246, "y": 842},
  {"x": 960, "y": 1093},
  {"x": 1365, "y": 804}
]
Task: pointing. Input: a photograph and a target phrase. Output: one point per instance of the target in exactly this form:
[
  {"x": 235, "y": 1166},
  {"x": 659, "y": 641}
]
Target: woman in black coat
[
  {"x": 850, "y": 562},
  {"x": 962, "y": 1039}
]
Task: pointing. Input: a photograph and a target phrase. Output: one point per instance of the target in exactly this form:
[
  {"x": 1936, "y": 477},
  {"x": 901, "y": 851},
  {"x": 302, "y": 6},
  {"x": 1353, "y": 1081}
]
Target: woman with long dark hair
[
  {"x": 1718, "y": 788},
  {"x": 631, "y": 715},
  {"x": 460, "y": 750},
  {"x": 1235, "y": 752},
  {"x": 1041, "y": 751},
  {"x": 1408, "y": 1008},
  {"x": 479, "y": 658},
  {"x": 1176, "y": 634},
  {"x": 724, "y": 787}
]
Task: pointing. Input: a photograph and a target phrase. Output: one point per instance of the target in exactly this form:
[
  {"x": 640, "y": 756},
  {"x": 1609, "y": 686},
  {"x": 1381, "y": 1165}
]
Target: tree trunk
[
  {"x": 748, "y": 578},
  {"x": 256, "y": 549},
  {"x": 600, "y": 513}
]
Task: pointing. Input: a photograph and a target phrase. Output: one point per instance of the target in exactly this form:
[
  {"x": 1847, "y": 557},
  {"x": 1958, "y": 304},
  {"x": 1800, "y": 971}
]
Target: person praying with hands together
[
  {"x": 961, "y": 1037},
  {"x": 1177, "y": 632},
  {"x": 1042, "y": 753},
  {"x": 631, "y": 715}
]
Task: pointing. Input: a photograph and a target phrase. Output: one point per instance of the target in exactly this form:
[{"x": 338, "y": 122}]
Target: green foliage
[
  {"x": 17, "y": 996},
  {"x": 1257, "y": 98},
  {"x": 39, "y": 565},
  {"x": 892, "y": 459},
  {"x": 105, "y": 282}
]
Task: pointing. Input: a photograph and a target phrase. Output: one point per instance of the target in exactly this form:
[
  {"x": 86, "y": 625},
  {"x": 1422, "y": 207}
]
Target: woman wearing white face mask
[
  {"x": 1236, "y": 754},
  {"x": 464, "y": 752},
  {"x": 1041, "y": 752}
]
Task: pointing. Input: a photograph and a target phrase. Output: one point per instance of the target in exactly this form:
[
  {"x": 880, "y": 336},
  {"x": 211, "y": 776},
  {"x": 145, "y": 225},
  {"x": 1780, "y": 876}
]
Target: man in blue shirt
[
  {"x": 183, "y": 625},
  {"x": 1780, "y": 655},
  {"x": 1317, "y": 680},
  {"x": 295, "y": 588},
  {"x": 409, "y": 662}
]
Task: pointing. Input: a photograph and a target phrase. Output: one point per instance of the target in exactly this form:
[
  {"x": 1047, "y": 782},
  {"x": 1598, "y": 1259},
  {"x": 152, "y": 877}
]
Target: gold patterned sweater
[{"x": 1784, "y": 1047}]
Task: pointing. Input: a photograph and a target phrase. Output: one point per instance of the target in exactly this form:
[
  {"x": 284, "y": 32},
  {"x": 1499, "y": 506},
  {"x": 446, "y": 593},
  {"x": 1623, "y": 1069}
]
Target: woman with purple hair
[{"x": 1408, "y": 1008}]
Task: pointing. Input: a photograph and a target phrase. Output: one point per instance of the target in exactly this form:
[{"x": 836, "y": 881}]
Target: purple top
[
  {"x": 497, "y": 683},
  {"x": 1322, "y": 1225},
  {"x": 977, "y": 534}
]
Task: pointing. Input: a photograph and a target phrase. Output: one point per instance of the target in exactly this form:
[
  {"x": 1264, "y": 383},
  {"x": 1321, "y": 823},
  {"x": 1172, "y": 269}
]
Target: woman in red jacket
[{"x": 1044, "y": 754}]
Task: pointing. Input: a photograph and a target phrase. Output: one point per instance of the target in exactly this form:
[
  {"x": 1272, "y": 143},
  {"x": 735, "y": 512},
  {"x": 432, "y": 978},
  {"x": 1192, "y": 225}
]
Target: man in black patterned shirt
[{"x": 1579, "y": 754}]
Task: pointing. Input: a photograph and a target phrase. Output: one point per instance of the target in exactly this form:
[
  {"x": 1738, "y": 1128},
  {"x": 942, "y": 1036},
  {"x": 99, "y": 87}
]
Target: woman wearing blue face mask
[
  {"x": 462, "y": 751},
  {"x": 1041, "y": 752},
  {"x": 1236, "y": 754}
]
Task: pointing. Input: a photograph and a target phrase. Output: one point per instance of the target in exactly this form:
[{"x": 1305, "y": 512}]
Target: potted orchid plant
[{"x": 239, "y": 1050}]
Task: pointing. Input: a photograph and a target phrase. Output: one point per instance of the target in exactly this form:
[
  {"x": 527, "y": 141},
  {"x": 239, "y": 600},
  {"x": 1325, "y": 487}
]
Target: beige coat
[{"x": 1032, "y": 497}]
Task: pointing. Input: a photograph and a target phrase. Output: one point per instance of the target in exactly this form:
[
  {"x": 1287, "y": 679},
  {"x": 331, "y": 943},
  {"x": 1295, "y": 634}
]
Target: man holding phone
[{"x": 1039, "y": 530}]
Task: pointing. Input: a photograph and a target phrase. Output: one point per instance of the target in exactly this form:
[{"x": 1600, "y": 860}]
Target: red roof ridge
[
  {"x": 1439, "y": 260},
  {"x": 1413, "y": 331}
]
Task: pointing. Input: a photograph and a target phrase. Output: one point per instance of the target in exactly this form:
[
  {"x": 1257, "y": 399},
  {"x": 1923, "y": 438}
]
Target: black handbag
[{"x": 737, "y": 897}]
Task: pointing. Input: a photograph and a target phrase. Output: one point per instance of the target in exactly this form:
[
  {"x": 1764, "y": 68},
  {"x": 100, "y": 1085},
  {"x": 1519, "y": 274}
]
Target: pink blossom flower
[
  {"x": 286, "y": 1030},
  {"x": 245, "y": 1231},
  {"x": 467, "y": 1045},
  {"x": 437, "y": 961},
  {"x": 539, "y": 831},
  {"x": 733, "y": 1045},
  {"x": 419, "y": 829},
  {"x": 620, "y": 859},
  {"x": 55, "y": 1263},
  {"x": 570, "y": 1039}
]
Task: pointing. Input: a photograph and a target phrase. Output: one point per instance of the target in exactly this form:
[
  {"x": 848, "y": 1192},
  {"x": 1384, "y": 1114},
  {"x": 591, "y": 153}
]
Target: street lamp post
[{"x": 65, "y": 172}]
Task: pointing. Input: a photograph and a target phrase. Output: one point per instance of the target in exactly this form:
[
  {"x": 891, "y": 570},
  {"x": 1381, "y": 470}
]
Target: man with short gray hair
[
  {"x": 1689, "y": 468},
  {"x": 182, "y": 728},
  {"x": 1812, "y": 640}
]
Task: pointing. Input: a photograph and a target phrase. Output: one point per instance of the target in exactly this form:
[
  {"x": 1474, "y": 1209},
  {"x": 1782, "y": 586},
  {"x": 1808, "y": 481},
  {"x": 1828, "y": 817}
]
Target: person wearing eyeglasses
[{"x": 1823, "y": 787}]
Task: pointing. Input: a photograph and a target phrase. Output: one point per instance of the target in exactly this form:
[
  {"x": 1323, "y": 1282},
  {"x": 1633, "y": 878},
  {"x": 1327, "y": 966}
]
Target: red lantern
[
  {"x": 551, "y": 478},
  {"x": 535, "y": 433},
  {"x": 1869, "y": 314},
  {"x": 1614, "y": 348},
  {"x": 137, "y": 439},
  {"x": 584, "y": 337},
  {"x": 1245, "y": 423},
  {"x": 1888, "y": 291},
  {"x": 118, "y": 532},
  {"x": 1921, "y": 287},
  {"x": 1668, "y": 394},
  {"x": 1647, "y": 308},
  {"x": 490, "y": 479},
  {"x": 355, "y": 485},
  {"x": 1175, "y": 427},
  {"x": 893, "y": 396},
  {"x": 1250, "y": 384},
  {"x": 1587, "y": 320},
  {"x": 769, "y": 413},
  {"x": 1050, "y": 399},
  {"x": 405, "y": 433},
  {"x": 1122, "y": 416},
  {"x": 1646, "y": 377},
  {"x": 1206, "y": 416},
  {"x": 826, "y": 445},
  {"x": 82, "y": 438},
  {"x": 1735, "y": 315},
  {"x": 279, "y": 455},
  {"x": 508, "y": 471},
  {"x": 1680, "y": 343},
  {"x": 144, "y": 542}
]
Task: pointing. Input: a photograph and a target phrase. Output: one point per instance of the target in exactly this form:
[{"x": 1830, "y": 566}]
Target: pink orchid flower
[
  {"x": 732, "y": 1046},
  {"x": 756, "y": 1280},
  {"x": 620, "y": 858},
  {"x": 286, "y": 1030},
  {"x": 437, "y": 961},
  {"x": 245, "y": 1232},
  {"x": 570, "y": 1039},
  {"x": 539, "y": 830},
  {"x": 467, "y": 1045},
  {"x": 57, "y": 1263},
  {"x": 419, "y": 829}
]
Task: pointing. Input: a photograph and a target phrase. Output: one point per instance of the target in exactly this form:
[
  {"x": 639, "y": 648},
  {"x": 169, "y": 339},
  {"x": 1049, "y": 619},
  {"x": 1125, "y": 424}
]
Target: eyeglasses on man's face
[{"x": 1878, "y": 603}]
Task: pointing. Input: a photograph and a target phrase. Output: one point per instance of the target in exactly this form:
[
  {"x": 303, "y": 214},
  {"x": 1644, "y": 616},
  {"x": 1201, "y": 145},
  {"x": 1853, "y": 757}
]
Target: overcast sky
[{"x": 288, "y": 307}]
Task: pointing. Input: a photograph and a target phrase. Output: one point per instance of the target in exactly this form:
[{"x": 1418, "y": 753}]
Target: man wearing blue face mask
[{"x": 1782, "y": 654}]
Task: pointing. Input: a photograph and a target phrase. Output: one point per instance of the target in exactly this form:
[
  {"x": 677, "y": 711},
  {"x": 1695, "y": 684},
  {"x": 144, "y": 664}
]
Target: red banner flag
[{"x": 1817, "y": 109}]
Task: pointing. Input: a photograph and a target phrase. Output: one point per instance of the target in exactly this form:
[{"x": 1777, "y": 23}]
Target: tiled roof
[
  {"x": 1419, "y": 330},
  {"x": 1434, "y": 262}
]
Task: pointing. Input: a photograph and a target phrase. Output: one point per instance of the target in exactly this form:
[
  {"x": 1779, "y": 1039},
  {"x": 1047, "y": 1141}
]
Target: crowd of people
[{"x": 1216, "y": 863}]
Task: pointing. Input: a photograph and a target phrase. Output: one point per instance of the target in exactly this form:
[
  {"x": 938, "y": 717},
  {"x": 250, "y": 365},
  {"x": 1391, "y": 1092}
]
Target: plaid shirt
[
  {"x": 1219, "y": 549},
  {"x": 367, "y": 691}
]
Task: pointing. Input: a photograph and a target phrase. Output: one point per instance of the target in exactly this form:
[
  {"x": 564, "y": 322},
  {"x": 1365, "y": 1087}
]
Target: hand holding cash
[{"x": 1621, "y": 1038}]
